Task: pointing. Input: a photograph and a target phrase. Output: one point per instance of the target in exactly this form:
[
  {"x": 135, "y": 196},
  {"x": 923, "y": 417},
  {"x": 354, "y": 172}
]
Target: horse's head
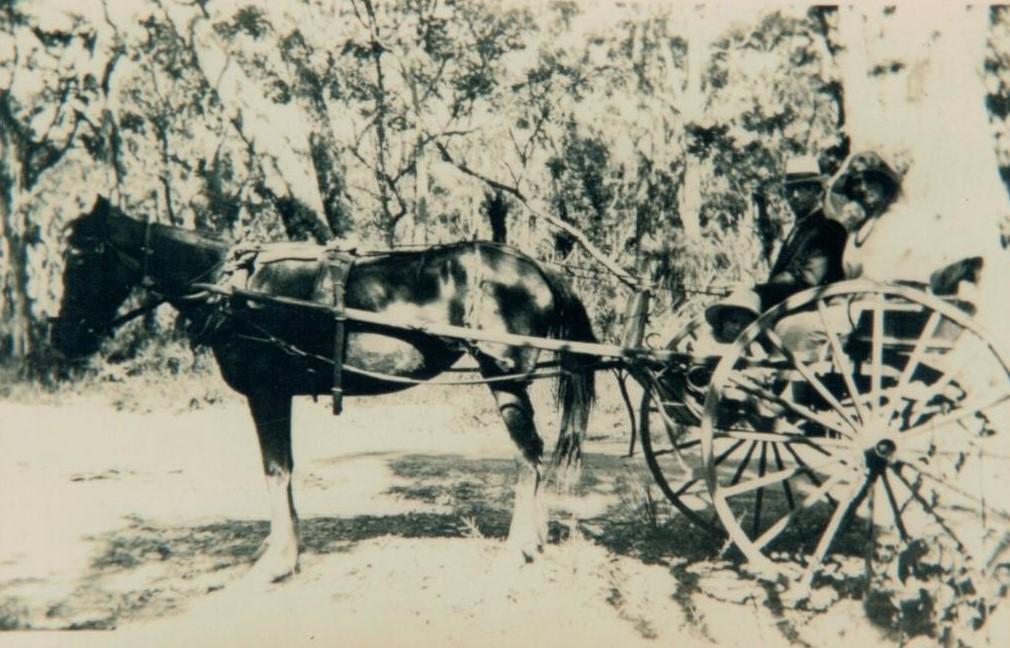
[{"x": 96, "y": 281}]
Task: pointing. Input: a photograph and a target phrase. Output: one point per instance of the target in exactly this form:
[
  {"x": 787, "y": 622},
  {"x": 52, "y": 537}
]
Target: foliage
[{"x": 419, "y": 121}]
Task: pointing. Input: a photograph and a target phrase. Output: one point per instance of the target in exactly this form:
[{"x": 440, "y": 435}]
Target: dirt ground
[{"x": 137, "y": 528}]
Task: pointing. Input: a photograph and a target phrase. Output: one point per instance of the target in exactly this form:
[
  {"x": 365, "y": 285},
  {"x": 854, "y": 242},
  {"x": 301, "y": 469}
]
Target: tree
[
  {"x": 915, "y": 91},
  {"x": 275, "y": 129},
  {"x": 51, "y": 80}
]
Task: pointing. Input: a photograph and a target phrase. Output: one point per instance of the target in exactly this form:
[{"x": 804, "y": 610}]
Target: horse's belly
[{"x": 384, "y": 354}]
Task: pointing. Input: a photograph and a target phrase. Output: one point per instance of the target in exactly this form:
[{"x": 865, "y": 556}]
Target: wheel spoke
[
  {"x": 834, "y": 524},
  {"x": 871, "y": 533},
  {"x": 811, "y": 378},
  {"x": 743, "y": 464},
  {"x": 841, "y": 361},
  {"x": 670, "y": 425},
  {"x": 669, "y": 434},
  {"x": 895, "y": 509},
  {"x": 736, "y": 488},
  {"x": 877, "y": 355},
  {"x": 787, "y": 489},
  {"x": 944, "y": 482},
  {"x": 936, "y": 389},
  {"x": 806, "y": 468},
  {"x": 759, "y": 496},
  {"x": 777, "y": 437},
  {"x": 677, "y": 448},
  {"x": 773, "y": 531},
  {"x": 929, "y": 509},
  {"x": 685, "y": 486},
  {"x": 728, "y": 452},
  {"x": 749, "y": 386},
  {"x": 718, "y": 460},
  {"x": 977, "y": 406},
  {"x": 914, "y": 360}
]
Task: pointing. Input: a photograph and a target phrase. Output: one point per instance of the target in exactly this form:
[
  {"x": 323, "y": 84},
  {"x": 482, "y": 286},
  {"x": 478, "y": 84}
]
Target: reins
[
  {"x": 144, "y": 308},
  {"x": 199, "y": 292},
  {"x": 294, "y": 350}
]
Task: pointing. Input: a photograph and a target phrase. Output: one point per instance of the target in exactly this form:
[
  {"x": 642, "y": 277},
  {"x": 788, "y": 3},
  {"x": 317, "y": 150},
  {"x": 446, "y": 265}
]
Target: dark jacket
[{"x": 811, "y": 256}]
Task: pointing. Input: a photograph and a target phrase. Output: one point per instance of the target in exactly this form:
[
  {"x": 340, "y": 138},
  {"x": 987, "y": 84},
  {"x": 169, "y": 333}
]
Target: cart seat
[{"x": 903, "y": 326}]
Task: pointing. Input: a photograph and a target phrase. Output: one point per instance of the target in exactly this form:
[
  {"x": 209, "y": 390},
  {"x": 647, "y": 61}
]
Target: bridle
[
  {"x": 94, "y": 246},
  {"x": 99, "y": 245}
]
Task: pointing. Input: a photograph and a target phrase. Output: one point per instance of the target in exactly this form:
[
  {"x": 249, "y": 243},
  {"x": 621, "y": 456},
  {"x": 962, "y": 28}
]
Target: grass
[{"x": 131, "y": 374}]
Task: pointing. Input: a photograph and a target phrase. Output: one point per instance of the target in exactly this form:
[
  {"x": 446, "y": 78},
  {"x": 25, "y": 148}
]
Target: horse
[{"x": 270, "y": 353}]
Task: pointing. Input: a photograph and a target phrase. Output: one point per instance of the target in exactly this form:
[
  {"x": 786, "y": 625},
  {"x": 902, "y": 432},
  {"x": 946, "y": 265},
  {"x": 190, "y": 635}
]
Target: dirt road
[{"x": 137, "y": 529}]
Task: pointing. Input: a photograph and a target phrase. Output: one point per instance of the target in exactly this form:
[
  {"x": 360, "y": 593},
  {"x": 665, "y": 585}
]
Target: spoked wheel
[
  {"x": 670, "y": 418},
  {"x": 860, "y": 411}
]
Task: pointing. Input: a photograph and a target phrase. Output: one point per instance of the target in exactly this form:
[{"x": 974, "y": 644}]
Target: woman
[{"x": 864, "y": 190}]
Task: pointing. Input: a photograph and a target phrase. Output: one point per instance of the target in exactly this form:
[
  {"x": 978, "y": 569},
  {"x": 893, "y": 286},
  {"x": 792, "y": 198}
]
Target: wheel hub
[
  {"x": 878, "y": 452},
  {"x": 885, "y": 448}
]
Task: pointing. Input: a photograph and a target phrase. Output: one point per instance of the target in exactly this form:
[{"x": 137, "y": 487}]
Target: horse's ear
[
  {"x": 102, "y": 206},
  {"x": 89, "y": 223}
]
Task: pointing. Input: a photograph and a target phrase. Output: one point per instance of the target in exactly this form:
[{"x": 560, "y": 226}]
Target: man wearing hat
[{"x": 810, "y": 256}]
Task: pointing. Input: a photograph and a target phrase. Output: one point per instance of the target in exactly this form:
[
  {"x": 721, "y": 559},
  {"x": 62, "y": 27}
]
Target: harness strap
[
  {"x": 145, "y": 279},
  {"x": 339, "y": 265}
]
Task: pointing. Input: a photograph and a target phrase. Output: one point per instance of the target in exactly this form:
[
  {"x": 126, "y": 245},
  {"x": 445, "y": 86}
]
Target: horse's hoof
[
  {"x": 524, "y": 553},
  {"x": 263, "y": 573},
  {"x": 274, "y": 566}
]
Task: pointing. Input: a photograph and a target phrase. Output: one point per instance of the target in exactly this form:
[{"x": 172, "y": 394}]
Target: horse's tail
[{"x": 576, "y": 389}]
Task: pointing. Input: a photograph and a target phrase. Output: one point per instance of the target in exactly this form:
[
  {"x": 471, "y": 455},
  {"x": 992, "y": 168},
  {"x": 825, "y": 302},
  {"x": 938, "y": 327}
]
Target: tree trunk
[
  {"x": 276, "y": 133},
  {"x": 914, "y": 92},
  {"x": 15, "y": 309},
  {"x": 421, "y": 187},
  {"x": 692, "y": 107},
  {"x": 497, "y": 210}
]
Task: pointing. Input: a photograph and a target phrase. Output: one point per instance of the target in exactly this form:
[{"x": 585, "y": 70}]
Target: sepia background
[{"x": 130, "y": 486}]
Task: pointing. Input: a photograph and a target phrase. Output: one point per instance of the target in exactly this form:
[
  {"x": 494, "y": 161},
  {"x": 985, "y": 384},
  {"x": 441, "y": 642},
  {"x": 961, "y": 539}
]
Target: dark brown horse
[{"x": 270, "y": 353}]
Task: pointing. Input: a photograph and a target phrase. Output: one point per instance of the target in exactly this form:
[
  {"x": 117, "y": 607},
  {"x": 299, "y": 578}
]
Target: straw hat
[
  {"x": 744, "y": 302},
  {"x": 803, "y": 169}
]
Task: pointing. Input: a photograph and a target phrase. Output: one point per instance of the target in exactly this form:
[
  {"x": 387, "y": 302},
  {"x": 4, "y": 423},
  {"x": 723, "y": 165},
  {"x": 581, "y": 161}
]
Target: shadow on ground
[{"x": 146, "y": 570}]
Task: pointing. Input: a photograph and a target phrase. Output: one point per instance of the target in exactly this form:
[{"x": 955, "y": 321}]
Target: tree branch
[{"x": 610, "y": 264}]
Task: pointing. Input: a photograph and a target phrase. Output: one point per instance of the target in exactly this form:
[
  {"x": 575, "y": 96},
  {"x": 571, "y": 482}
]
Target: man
[
  {"x": 810, "y": 256},
  {"x": 812, "y": 253}
]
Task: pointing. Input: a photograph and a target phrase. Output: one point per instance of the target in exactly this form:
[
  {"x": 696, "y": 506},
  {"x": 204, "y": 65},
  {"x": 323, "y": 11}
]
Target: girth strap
[{"x": 339, "y": 264}]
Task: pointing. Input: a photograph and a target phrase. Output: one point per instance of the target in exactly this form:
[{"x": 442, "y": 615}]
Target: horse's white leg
[
  {"x": 279, "y": 555},
  {"x": 528, "y": 531}
]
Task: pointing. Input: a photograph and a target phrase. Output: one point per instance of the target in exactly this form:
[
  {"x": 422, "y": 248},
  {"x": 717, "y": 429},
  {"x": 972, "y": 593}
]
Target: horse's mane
[
  {"x": 193, "y": 237},
  {"x": 223, "y": 244},
  {"x": 103, "y": 208}
]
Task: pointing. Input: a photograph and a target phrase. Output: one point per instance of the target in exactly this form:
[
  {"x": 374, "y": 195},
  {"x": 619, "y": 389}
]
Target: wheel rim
[
  {"x": 673, "y": 454},
  {"x": 671, "y": 439},
  {"x": 897, "y": 422}
]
